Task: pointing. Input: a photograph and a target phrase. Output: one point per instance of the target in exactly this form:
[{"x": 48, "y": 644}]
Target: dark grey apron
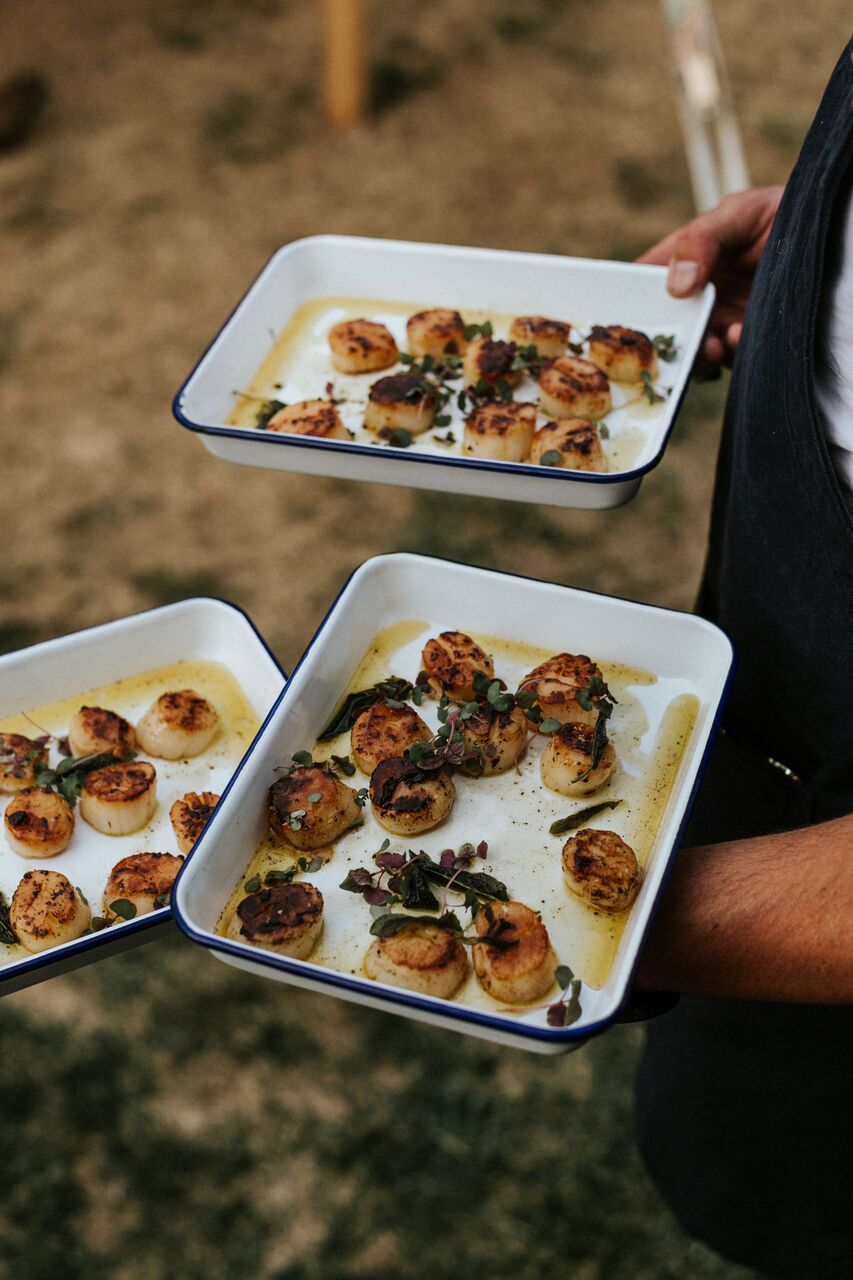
[{"x": 745, "y": 1109}]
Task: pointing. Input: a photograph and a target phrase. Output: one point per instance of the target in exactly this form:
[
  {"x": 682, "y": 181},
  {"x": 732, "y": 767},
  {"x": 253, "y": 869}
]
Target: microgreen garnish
[
  {"x": 576, "y": 348},
  {"x": 294, "y": 819},
  {"x": 7, "y": 934},
  {"x": 448, "y": 438},
  {"x": 396, "y": 437},
  {"x": 527, "y": 360},
  {"x": 394, "y": 688},
  {"x": 442, "y": 420},
  {"x": 403, "y": 879},
  {"x": 603, "y": 430},
  {"x": 567, "y": 1009},
  {"x": 483, "y": 392},
  {"x": 253, "y": 884},
  {"x": 604, "y": 703},
  {"x": 472, "y": 331},
  {"x": 314, "y": 797},
  {"x": 653, "y": 397},
  {"x": 81, "y": 895},
  {"x": 551, "y": 458},
  {"x": 268, "y": 410},
  {"x": 343, "y": 764},
  {"x": 123, "y": 908},
  {"x": 383, "y": 926},
  {"x": 68, "y": 776},
  {"x": 581, "y": 817},
  {"x": 665, "y": 346}
]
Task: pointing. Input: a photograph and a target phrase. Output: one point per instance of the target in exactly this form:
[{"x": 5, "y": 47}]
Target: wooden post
[{"x": 345, "y": 77}]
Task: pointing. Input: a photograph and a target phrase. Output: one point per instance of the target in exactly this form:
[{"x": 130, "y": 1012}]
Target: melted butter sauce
[
  {"x": 91, "y": 855},
  {"x": 298, "y": 367},
  {"x": 650, "y": 727}
]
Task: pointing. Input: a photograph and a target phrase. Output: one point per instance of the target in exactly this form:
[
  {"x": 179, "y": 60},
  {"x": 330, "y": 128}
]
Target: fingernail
[{"x": 683, "y": 277}]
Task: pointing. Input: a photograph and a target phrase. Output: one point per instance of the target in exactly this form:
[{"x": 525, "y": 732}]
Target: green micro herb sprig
[
  {"x": 551, "y": 458},
  {"x": 7, "y": 934},
  {"x": 68, "y": 776},
  {"x": 596, "y": 697},
  {"x": 279, "y": 876},
  {"x": 483, "y": 392},
  {"x": 396, "y": 437},
  {"x": 567, "y": 1009},
  {"x": 394, "y": 691},
  {"x": 405, "y": 879},
  {"x": 472, "y": 331},
  {"x": 268, "y": 410},
  {"x": 653, "y": 396},
  {"x": 579, "y": 819},
  {"x": 665, "y": 346},
  {"x": 496, "y": 694},
  {"x": 383, "y": 926}
]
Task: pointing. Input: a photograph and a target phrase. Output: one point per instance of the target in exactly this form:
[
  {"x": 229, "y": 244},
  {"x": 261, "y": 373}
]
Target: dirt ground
[{"x": 162, "y": 1116}]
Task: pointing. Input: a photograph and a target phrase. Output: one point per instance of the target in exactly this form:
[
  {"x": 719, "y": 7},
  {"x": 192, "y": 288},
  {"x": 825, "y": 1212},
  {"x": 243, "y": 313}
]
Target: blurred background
[{"x": 163, "y": 1116}]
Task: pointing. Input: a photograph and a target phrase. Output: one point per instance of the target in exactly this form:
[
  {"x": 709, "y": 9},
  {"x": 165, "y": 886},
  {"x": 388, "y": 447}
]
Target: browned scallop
[
  {"x": 47, "y": 910},
  {"x": 362, "y": 346},
  {"x": 20, "y": 760},
  {"x": 407, "y": 800},
  {"x": 310, "y": 808},
  {"x": 549, "y": 337},
  {"x": 522, "y": 971},
  {"x": 497, "y": 737},
  {"x": 318, "y": 418},
  {"x": 179, "y": 724},
  {"x": 437, "y": 332},
  {"x": 556, "y": 683},
  {"x": 451, "y": 660},
  {"x": 572, "y": 443},
  {"x": 120, "y": 798},
  {"x": 402, "y": 401},
  {"x": 602, "y": 869},
  {"x": 624, "y": 354},
  {"x": 489, "y": 360},
  {"x": 287, "y": 918},
  {"x": 382, "y": 732},
  {"x": 421, "y": 957},
  {"x": 143, "y": 879},
  {"x": 190, "y": 815},
  {"x": 39, "y": 823},
  {"x": 566, "y": 762},
  {"x": 94, "y": 730},
  {"x": 573, "y": 388},
  {"x": 502, "y": 431}
]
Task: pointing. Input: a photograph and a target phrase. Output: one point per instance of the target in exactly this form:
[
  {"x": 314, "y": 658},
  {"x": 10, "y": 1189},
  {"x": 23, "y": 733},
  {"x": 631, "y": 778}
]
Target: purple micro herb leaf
[
  {"x": 390, "y": 861},
  {"x": 377, "y": 897},
  {"x": 482, "y": 849},
  {"x": 447, "y": 860},
  {"x": 556, "y": 1014}
]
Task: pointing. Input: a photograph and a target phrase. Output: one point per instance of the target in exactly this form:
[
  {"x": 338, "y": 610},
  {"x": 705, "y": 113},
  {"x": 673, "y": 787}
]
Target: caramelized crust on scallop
[
  {"x": 190, "y": 815},
  {"x": 94, "y": 730},
  {"x": 382, "y": 732},
  {"x": 407, "y": 800},
  {"x": 549, "y": 337},
  {"x": 421, "y": 957},
  {"x": 361, "y": 346},
  {"x": 576, "y": 441},
  {"x": 180, "y": 723},
  {"x": 39, "y": 823},
  {"x": 602, "y": 869},
  {"x": 310, "y": 808},
  {"x": 556, "y": 682},
  {"x": 566, "y": 762},
  {"x": 284, "y": 917},
  {"x": 309, "y": 418},
  {"x": 572, "y": 387},
  {"x": 120, "y": 798},
  {"x": 20, "y": 759},
  {"x": 502, "y": 430},
  {"x": 120, "y": 782},
  {"x": 47, "y": 910},
  {"x": 624, "y": 354},
  {"x": 437, "y": 332},
  {"x": 451, "y": 660},
  {"x": 489, "y": 360},
  {"x": 141, "y": 878},
  {"x": 520, "y": 972},
  {"x": 402, "y": 401},
  {"x": 499, "y": 737}
]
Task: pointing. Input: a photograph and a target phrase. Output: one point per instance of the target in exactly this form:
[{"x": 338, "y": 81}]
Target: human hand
[{"x": 722, "y": 246}]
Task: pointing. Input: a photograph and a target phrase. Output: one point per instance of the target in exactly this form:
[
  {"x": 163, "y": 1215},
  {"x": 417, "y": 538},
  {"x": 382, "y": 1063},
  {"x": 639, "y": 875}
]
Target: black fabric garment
[{"x": 745, "y": 1109}]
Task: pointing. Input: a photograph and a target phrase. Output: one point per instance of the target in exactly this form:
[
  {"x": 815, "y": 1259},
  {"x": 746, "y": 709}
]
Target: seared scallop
[
  {"x": 190, "y": 815},
  {"x": 318, "y": 418},
  {"x": 94, "y": 730},
  {"x": 179, "y": 724},
  {"x": 574, "y": 388},
  {"x": 624, "y": 354},
  {"x": 402, "y": 401},
  {"x": 521, "y": 972},
  {"x": 451, "y": 660},
  {"x": 502, "y": 431},
  {"x": 39, "y": 823},
  {"x": 46, "y": 910},
  {"x": 498, "y": 737},
  {"x": 20, "y": 760},
  {"x": 141, "y": 879},
  {"x": 567, "y": 761},
  {"x": 572, "y": 443},
  {"x": 382, "y": 732},
  {"x": 556, "y": 683},
  {"x": 120, "y": 798},
  {"x": 488, "y": 360},
  {"x": 602, "y": 869},
  {"x": 437, "y": 332},
  {"x": 421, "y": 957},
  {"x": 362, "y": 346},
  {"x": 287, "y": 918},
  {"x": 310, "y": 808},
  {"x": 407, "y": 800},
  {"x": 549, "y": 337}
]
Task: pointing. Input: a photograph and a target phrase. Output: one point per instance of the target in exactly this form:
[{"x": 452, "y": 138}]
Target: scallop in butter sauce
[
  {"x": 298, "y": 367},
  {"x": 650, "y": 727}
]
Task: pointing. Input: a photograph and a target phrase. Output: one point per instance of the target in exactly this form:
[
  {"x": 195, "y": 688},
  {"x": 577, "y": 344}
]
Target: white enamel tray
[
  {"x": 579, "y": 290},
  {"x": 688, "y": 656},
  {"x": 45, "y": 673}
]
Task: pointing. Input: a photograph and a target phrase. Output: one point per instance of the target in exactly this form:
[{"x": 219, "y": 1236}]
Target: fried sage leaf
[{"x": 581, "y": 818}]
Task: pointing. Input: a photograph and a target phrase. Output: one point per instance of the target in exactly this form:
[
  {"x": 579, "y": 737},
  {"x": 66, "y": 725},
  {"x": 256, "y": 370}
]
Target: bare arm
[{"x": 763, "y": 919}]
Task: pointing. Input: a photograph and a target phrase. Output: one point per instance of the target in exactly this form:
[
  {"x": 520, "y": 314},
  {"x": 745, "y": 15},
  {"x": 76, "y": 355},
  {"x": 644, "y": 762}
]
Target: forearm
[{"x": 764, "y": 919}]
